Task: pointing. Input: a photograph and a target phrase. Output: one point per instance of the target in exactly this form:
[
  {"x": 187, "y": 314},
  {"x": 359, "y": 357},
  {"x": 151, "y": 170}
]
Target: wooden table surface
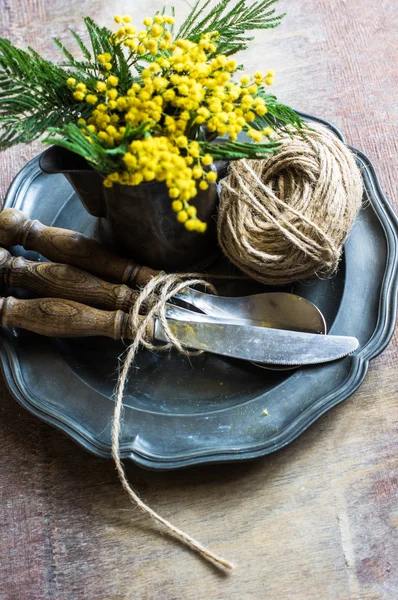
[{"x": 315, "y": 521}]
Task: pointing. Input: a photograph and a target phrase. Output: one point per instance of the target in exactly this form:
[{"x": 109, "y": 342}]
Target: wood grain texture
[
  {"x": 317, "y": 520},
  {"x": 55, "y": 317},
  {"x": 55, "y": 280},
  {"x": 74, "y": 248}
]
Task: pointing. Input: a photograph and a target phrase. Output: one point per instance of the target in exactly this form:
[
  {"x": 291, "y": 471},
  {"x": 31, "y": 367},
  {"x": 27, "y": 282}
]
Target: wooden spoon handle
[
  {"x": 62, "y": 281},
  {"x": 65, "y": 319},
  {"x": 70, "y": 247}
]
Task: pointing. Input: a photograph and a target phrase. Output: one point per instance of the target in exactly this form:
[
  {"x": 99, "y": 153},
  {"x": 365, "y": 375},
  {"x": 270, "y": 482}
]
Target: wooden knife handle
[
  {"x": 62, "y": 281},
  {"x": 64, "y": 318},
  {"x": 70, "y": 247}
]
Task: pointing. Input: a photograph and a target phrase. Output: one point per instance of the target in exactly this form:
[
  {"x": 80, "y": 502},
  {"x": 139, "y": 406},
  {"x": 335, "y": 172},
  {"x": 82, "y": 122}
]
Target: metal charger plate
[{"x": 207, "y": 409}]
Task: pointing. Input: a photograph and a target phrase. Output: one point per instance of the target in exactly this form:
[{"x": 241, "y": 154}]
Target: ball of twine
[{"x": 285, "y": 218}]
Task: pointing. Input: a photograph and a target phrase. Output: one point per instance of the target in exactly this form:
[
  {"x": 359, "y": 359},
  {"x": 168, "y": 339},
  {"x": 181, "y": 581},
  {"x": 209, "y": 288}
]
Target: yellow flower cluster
[
  {"x": 183, "y": 89},
  {"x": 157, "y": 158}
]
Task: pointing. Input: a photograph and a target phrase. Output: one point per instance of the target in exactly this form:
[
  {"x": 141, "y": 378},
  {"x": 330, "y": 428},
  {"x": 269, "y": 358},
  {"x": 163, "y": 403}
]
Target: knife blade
[
  {"x": 259, "y": 344},
  {"x": 64, "y": 318}
]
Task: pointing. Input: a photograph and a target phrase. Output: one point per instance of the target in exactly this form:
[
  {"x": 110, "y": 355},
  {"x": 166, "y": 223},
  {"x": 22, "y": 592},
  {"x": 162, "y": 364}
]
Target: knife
[{"x": 64, "y": 318}]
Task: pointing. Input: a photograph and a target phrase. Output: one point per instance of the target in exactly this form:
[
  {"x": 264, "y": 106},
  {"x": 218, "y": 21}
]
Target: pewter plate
[{"x": 181, "y": 412}]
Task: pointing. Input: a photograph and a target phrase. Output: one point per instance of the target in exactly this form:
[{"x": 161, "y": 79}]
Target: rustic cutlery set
[{"x": 76, "y": 300}]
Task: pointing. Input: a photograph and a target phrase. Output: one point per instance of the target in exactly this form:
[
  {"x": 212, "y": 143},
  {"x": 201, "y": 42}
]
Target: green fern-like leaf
[
  {"x": 34, "y": 95},
  {"x": 232, "y": 23},
  {"x": 73, "y": 139},
  {"x": 88, "y": 69},
  {"x": 236, "y": 150},
  {"x": 102, "y": 158},
  {"x": 278, "y": 116},
  {"x": 65, "y": 51},
  {"x": 85, "y": 51}
]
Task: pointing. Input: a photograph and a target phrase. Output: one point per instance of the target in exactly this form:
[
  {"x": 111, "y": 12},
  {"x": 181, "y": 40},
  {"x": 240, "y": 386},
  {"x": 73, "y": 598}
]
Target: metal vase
[{"x": 137, "y": 221}]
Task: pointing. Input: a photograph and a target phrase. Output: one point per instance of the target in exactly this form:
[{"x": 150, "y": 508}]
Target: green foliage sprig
[
  {"x": 77, "y": 139},
  {"x": 150, "y": 105},
  {"x": 231, "y": 24},
  {"x": 100, "y": 41},
  {"x": 35, "y": 98}
]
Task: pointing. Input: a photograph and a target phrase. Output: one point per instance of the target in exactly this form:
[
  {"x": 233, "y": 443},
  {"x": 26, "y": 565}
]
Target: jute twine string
[
  {"x": 285, "y": 218},
  {"x": 152, "y": 299}
]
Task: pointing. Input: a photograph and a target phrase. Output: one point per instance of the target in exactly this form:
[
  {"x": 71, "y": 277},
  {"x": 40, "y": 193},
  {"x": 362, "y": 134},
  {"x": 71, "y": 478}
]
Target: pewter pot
[{"x": 137, "y": 221}]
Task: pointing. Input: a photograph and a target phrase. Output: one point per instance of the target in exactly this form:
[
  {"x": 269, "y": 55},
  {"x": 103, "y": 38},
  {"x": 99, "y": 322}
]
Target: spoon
[{"x": 280, "y": 310}]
